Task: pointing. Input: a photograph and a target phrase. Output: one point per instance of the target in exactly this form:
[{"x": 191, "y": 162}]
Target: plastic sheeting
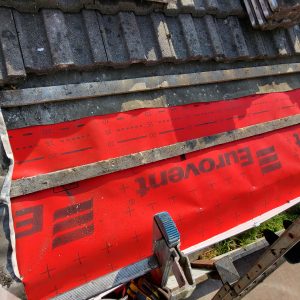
[
  {"x": 43, "y": 149},
  {"x": 69, "y": 235}
]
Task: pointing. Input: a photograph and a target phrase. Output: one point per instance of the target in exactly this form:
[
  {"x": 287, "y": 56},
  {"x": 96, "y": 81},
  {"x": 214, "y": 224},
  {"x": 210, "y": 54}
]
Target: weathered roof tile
[
  {"x": 204, "y": 38},
  {"x": 214, "y": 36},
  {"x": 2, "y": 75},
  {"x": 179, "y": 44},
  {"x": 95, "y": 38},
  {"x": 149, "y": 38},
  {"x": 12, "y": 58},
  {"x": 132, "y": 37},
  {"x": 114, "y": 40},
  {"x": 294, "y": 38},
  {"x": 58, "y": 37},
  {"x": 197, "y": 8},
  {"x": 239, "y": 39},
  {"x": 190, "y": 35},
  {"x": 255, "y": 41},
  {"x": 281, "y": 42},
  {"x": 33, "y": 41},
  {"x": 163, "y": 36},
  {"x": 50, "y": 40}
]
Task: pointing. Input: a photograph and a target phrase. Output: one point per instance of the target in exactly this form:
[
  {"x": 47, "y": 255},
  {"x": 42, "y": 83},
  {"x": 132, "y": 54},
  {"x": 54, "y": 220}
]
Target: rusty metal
[
  {"x": 271, "y": 14},
  {"x": 266, "y": 264},
  {"x": 204, "y": 264}
]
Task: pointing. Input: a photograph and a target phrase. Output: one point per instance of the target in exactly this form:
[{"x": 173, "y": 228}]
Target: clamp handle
[{"x": 168, "y": 229}]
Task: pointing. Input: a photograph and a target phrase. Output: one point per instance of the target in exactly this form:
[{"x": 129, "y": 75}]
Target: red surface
[
  {"x": 42, "y": 149},
  {"x": 69, "y": 235}
]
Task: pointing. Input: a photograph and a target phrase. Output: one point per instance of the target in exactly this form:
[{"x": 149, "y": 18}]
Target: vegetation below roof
[{"x": 251, "y": 235}]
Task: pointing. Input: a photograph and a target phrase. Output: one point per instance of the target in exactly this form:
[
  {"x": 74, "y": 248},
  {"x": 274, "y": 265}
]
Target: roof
[
  {"x": 63, "y": 60},
  {"x": 51, "y": 40},
  {"x": 160, "y": 48},
  {"x": 141, "y": 7}
]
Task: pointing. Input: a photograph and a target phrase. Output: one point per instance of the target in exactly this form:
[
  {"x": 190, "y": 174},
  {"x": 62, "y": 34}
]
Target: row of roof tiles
[
  {"x": 52, "y": 40},
  {"x": 198, "y": 8}
]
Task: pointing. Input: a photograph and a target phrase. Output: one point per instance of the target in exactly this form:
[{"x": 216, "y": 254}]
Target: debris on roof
[{"x": 270, "y": 14}]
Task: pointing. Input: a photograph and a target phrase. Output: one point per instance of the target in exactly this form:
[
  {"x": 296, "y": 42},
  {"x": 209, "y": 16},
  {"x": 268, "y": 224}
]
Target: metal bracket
[
  {"x": 167, "y": 257},
  {"x": 266, "y": 264},
  {"x": 226, "y": 270},
  {"x": 166, "y": 242}
]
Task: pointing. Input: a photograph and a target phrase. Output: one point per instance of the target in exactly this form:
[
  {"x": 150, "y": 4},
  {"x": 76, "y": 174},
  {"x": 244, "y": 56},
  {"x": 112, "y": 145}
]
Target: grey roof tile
[
  {"x": 254, "y": 41},
  {"x": 239, "y": 39},
  {"x": 105, "y": 37},
  {"x": 69, "y": 5},
  {"x": 268, "y": 42},
  {"x": 179, "y": 44},
  {"x": 190, "y": 35},
  {"x": 114, "y": 40},
  {"x": 95, "y": 39},
  {"x": 214, "y": 36},
  {"x": 212, "y": 6},
  {"x": 186, "y": 5},
  {"x": 235, "y": 7},
  {"x": 132, "y": 37},
  {"x": 149, "y": 38},
  {"x": 2, "y": 75},
  {"x": 79, "y": 39},
  {"x": 12, "y": 58},
  {"x": 163, "y": 36},
  {"x": 228, "y": 44},
  {"x": 195, "y": 7},
  {"x": 58, "y": 37},
  {"x": 281, "y": 42},
  {"x": 200, "y": 9},
  {"x": 51, "y": 40},
  {"x": 294, "y": 38},
  {"x": 33, "y": 41},
  {"x": 204, "y": 38}
]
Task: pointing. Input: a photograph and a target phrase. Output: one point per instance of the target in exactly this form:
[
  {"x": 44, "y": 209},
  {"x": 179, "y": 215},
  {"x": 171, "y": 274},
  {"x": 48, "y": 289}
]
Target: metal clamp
[{"x": 166, "y": 242}]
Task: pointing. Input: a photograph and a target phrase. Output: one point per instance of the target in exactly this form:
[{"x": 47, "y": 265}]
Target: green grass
[{"x": 250, "y": 236}]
